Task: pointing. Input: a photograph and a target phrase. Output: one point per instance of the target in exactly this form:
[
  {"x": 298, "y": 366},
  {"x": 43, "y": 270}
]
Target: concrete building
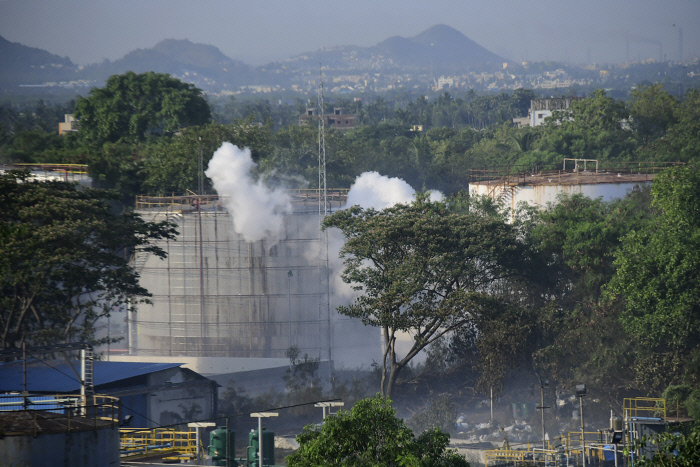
[
  {"x": 338, "y": 120},
  {"x": 70, "y": 124},
  {"x": 540, "y": 109}
]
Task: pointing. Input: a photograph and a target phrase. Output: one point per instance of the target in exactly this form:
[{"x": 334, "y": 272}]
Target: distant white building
[
  {"x": 445, "y": 82},
  {"x": 540, "y": 109}
]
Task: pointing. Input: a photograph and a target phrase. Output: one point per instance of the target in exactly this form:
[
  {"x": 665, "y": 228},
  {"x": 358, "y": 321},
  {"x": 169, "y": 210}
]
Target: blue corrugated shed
[{"x": 58, "y": 377}]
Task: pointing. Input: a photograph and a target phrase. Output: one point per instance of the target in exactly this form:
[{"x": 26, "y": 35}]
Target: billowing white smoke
[
  {"x": 257, "y": 210},
  {"x": 372, "y": 190}
]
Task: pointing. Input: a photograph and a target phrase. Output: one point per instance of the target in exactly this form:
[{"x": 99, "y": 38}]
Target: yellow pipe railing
[{"x": 145, "y": 442}]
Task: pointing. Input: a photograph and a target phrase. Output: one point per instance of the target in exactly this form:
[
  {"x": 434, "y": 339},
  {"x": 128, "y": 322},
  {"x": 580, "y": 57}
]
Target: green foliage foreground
[
  {"x": 679, "y": 447},
  {"x": 371, "y": 434},
  {"x": 63, "y": 260}
]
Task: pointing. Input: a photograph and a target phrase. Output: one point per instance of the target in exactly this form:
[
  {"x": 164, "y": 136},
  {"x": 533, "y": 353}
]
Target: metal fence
[{"x": 35, "y": 414}]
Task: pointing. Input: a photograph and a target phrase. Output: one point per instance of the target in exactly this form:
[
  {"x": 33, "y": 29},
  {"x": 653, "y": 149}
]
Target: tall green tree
[
  {"x": 132, "y": 106},
  {"x": 684, "y": 135},
  {"x": 371, "y": 434},
  {"x": 424, "y": 268},
  {"x": 576, "y": 337},
  {"x": 657, "y": 272},
  {"x": 652, "y": 112},
  {"x": 63, "y": 260},
  {"x": 658, "y": 267}
]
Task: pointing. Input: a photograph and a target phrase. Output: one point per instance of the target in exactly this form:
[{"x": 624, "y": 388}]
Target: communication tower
[{"x": 324, "y": 311}]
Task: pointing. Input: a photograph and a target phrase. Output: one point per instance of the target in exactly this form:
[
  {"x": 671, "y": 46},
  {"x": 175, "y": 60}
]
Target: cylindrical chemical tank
[
  {"x": 221, "y": 447},
  {"x": 616, "y": 423},
  {"x": 268, "y": 438},
  {"x": 218, "y": 294}
]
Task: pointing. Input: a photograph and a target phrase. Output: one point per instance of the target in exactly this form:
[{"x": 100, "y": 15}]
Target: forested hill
[
  {"x": 439, "y": 48},
  {"x": 200, "y": 64},
  {"x": 24, "y": 65}
]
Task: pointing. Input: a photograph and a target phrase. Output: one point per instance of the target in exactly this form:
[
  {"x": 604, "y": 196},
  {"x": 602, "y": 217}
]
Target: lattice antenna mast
[
  {"x": 323, "y": 192},
  {"x": 324, "y": 306}
]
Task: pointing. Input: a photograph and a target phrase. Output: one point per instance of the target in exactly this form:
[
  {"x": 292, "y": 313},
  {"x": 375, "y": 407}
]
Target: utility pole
[
  {"x": 260, "y": 416},
  {"x": 200, "y": 170},
  {"x": 289, "y": 305},
  {"x": 580, "y": 392},
  {"x": 543, "y": 384}
]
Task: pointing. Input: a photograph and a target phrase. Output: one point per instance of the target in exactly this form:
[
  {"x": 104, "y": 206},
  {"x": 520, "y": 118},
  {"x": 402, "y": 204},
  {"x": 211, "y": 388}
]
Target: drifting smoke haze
[
  {"x": 372, "y": 190},
  {"x": 257, "y": 210}
]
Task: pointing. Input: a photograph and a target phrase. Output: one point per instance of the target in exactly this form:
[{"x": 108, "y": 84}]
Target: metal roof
[{"x": 56, "y": 376}]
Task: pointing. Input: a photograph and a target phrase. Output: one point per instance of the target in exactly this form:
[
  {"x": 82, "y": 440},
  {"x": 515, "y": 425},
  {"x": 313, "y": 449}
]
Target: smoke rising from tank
[
  {"x": 372, "y": 190},
  {"x": 257, "y": 210}
]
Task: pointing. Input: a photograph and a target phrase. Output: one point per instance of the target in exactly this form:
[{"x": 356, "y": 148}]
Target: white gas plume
[
  {"x": 257, "y": 210},
  {"x": 372, "y": 190}
]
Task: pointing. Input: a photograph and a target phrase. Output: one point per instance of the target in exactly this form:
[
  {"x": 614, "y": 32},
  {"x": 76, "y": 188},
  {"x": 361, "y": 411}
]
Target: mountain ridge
[{"x": 439, "y": 49}]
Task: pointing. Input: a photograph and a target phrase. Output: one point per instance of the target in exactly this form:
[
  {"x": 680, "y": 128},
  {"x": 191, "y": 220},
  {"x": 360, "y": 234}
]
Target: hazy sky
[{"x": 258, "y": 31}]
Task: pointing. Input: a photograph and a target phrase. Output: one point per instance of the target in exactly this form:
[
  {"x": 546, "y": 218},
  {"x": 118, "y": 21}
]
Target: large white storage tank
[
  {"x": 540, "y": 188},
  {"x": 218, "y": 295}
]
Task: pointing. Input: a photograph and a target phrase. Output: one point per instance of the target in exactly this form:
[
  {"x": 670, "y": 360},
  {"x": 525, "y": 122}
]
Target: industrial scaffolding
[{"x": 218, "y": 295}]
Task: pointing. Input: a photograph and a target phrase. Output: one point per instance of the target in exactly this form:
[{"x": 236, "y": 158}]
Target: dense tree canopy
[
  {"x": 371, "y": 434},
  {"x": 578, "y": 338},
  {"x": 460, "y": 134},
  {"x": 658, "y": 266},
  {"x": 172, "y": 166},
  {"x": 424, "y": 268},
  {"x": 132, "y": 106},
  {"x": 63, "y": 259}
]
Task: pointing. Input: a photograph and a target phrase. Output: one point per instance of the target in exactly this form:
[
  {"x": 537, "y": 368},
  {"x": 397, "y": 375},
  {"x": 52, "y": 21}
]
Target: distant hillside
[
  {"x": 203, "y": 65},
  {"x": 445, "y": 46},
  {"x": 438, "y": 48},
  {"x": 20, "y": 64}
]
